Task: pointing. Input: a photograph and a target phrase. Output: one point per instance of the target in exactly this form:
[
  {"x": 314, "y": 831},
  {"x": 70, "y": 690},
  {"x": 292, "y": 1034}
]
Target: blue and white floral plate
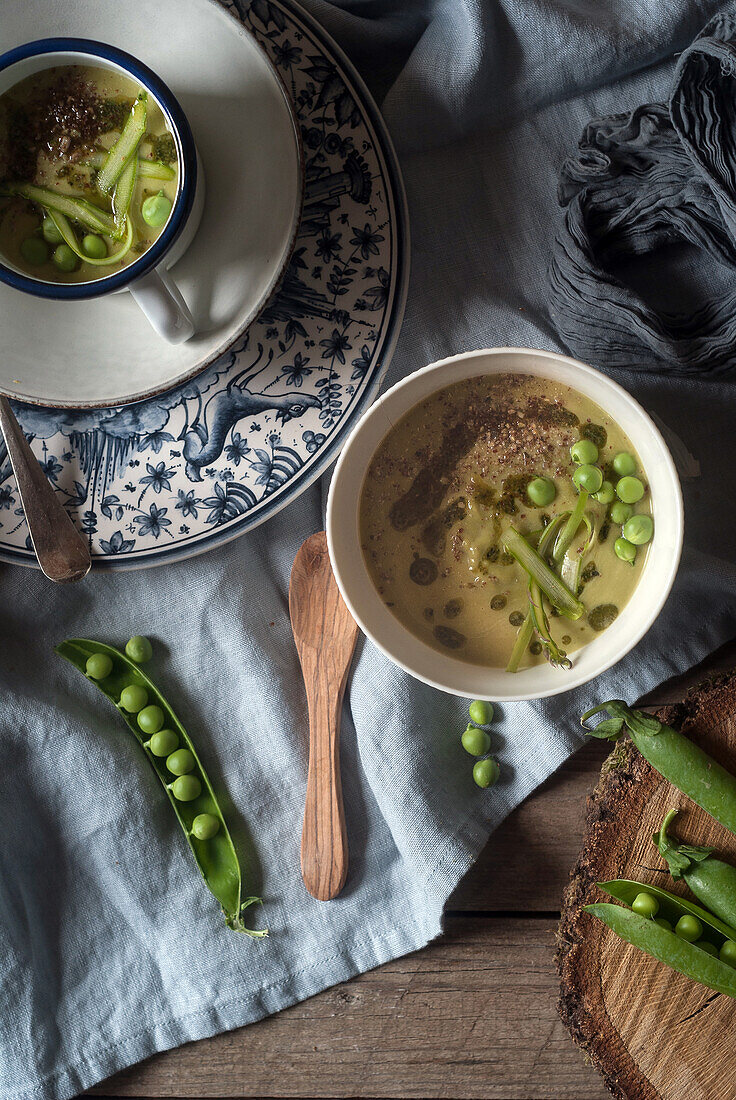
[{"x": 200, "y": 464}]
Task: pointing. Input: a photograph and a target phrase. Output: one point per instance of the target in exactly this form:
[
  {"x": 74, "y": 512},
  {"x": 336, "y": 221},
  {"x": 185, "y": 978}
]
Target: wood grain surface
[
  {"x": 655, "y": 1034},
  {"x": 456, "y": 1024},
  {"x": 325, "y": 634}
]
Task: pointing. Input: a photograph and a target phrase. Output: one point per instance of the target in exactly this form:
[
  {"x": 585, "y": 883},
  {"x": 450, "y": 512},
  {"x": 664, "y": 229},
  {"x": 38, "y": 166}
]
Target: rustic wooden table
[{"x": 472, "y": 1015}]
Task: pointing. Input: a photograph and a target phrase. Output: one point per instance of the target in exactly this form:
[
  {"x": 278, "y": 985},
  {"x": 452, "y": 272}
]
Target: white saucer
[{"x": 103, "y": 352}]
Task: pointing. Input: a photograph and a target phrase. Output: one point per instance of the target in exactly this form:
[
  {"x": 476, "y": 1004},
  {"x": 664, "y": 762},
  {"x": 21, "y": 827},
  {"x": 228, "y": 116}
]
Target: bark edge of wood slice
[{"x": 652, "y": 1033}]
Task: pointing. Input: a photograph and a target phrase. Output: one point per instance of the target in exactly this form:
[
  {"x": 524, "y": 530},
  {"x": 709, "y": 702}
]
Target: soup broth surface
[
  {"x": 55, "y": 128},
  {"x": 445, "y": 483}
]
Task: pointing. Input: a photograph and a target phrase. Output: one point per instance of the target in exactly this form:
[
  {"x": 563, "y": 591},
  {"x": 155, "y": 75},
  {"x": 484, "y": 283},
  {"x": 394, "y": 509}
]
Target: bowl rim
[
  {"x": 186, "y": 151},
  {"x": 335, "y": 523}
]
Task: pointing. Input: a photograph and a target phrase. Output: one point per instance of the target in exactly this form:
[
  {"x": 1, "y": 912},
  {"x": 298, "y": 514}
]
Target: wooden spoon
[{"x": 325, "y": 635}]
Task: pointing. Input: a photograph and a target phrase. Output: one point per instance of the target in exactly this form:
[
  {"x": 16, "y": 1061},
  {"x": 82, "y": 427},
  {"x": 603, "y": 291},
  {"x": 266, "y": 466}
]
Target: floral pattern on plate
[{"x": 200, "y": 464}]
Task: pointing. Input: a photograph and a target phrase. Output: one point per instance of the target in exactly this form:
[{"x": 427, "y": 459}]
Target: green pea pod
[
  {"x": 665, "y": 946},
  {"x": 712, "y": 880},
  {"x": 216, "y": 857},
  {"x": 674, "y": 756},
  {"x": 671, "y": 906},
  {"x": 125, "y": 147}
]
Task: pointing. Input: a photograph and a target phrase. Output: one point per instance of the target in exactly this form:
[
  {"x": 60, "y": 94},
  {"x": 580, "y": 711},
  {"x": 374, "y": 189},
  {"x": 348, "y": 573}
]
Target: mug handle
[{"x": 160, "y": 299}]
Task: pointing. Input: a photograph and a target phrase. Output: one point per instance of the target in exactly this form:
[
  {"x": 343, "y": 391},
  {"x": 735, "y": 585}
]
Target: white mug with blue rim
[{"x": 147, "y": 278}]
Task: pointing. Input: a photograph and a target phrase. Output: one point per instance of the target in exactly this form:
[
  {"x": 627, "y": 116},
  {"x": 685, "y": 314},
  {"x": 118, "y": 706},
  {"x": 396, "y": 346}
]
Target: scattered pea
[
  {"x": 620, "y": 512},
  {"x": 646, "y": 905},
  {"x": 64, "y": 258},
  {"x": 486, "y": 772},
  {"x": 588, "y": 477},
  {"x": 475, "y": 741},
  {"x": 139, "y": 649},
  {"x": 181, "y": 762},
  {"x": 541, "y": 491},
  {"x": 624, "y": 550},
  {"x": 205, "y": 826},
  {"x": 94, "y": 246},
  {"x": 606, "y": 494},
  {"x": 629, "y": 490},
  {"x": 164, "y": 742},
  {"x": 481, "y": 712},
  {"x": 98, "y": 666},
  {"x": 156, "y": 210},
  {"x": 34, "y": 251},
  {"x": 727, "y": 954},
  {"x": 624, "y": 464},
  {"x": 186, "y": 788},
  {"x": 689, "y": 928},
  {"x": 707, "y": 946},
  {"x": 639, "y": 530},
  {"x": 151, "y": 719},
  {"x": 663, "y": 923},
  {"x": 50, "y": 232},
  {"x": 584, "y": 452},
  {"x": 133, "y": 698}
]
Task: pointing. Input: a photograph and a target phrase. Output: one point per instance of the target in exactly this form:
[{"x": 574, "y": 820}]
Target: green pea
[
  {"x": 475, "y": 741},
  {"x": 486, "y": 772},
  {"x": 629, "y": 490},
  {"x": 584, "y": 452},
  {"x": 94, "y": 246},
  {"x": 663, "y": 923},
  {"x": 34, "y": 251},
  {"x": 164, "y": 742},
  {"x": 156, "y": 210},
  {"x": 588, "y": 477},
  {"x": 646, "y": 905},
  {"x": 186, "y": 788},
  {"x": 541, "y": 491},
  {"x": 606, "y": 494},
  {"x": 64, "y": 258},
  {"x": 139, "y": 649},
  {"x": 133, "y": 698},
  {"x": 621, "y": 512},
  {"x": 98, "y": 666},
  {"x": 727, "y": 954},
  {"x": 480, "y": 712},
  {"x": 205, "y": 826},
  {"x": 50, "y": 231},
  {"x": 624, "y": 464},
  {"x": 639, "y": 530},
  {"x": 689, "y": 928},
  {"x": 624, "y": 550},
  {"x": 181, "y": 762},
  {"x": 151, "y": 719},
  {"x": 707, "y": 946}
]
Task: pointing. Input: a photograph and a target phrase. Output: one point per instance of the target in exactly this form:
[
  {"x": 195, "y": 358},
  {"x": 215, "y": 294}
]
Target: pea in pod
[
  {"x": 665, "y": 946},
  {"x": 683, "y": 763},
  {"x": 215, "y": 856},
  {"x": 671, "y": 906},
  {"x": 712, "y": 880}
]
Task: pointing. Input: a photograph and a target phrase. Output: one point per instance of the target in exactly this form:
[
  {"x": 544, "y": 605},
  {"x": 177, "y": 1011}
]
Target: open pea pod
[
  {"x": 671, "y": 906},
  {"x": 216, "y": 856},
  {"x": 666, "y": 947}
]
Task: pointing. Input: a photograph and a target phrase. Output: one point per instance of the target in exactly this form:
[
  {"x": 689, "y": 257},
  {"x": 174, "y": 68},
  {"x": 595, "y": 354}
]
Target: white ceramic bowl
[{"x": 447, "y": 672}]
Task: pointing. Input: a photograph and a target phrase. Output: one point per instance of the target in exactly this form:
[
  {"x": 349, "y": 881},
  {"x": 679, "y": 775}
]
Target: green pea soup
[
  {"x": 56, "y": 128},
  {"x": 451, "y": 476}
]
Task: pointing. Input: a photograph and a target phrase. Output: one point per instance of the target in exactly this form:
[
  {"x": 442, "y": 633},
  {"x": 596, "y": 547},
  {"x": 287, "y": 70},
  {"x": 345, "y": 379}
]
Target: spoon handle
[{"x": 61, "y": 551}]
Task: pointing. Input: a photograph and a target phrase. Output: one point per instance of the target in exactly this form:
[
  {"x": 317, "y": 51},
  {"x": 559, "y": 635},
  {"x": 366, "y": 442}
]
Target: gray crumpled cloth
[{"x": 661, "y": 178}]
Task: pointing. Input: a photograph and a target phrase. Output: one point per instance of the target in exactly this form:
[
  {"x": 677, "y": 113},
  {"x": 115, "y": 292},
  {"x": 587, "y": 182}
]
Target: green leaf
[
  {"x": 610, "y": 729},
  {"x": 679, "y": 857}
]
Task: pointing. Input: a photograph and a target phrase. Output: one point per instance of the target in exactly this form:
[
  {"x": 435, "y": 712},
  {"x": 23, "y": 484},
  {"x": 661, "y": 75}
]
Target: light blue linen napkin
[{"x": 110, "y": 947}]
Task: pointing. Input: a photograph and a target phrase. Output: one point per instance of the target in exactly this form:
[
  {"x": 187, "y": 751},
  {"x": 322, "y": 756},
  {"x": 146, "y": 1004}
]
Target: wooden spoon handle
[{"x": 324, "y": 853}]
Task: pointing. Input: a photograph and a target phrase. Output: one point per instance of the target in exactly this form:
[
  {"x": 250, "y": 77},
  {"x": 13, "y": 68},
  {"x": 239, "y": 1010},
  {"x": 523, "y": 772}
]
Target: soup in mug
[
  {"x": 505, "y": 519},
  {"x": 88, "y": 173}
]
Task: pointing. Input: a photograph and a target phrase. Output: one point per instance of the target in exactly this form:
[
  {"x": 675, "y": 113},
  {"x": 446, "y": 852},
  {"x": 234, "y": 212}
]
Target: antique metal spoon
[
  {"x": 325, "y": 635},
  {"x": 61, "y": 551}
]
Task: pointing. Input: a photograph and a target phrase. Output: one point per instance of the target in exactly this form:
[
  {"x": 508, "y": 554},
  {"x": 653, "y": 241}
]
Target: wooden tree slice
[{"x": 653, "y": 1033}]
